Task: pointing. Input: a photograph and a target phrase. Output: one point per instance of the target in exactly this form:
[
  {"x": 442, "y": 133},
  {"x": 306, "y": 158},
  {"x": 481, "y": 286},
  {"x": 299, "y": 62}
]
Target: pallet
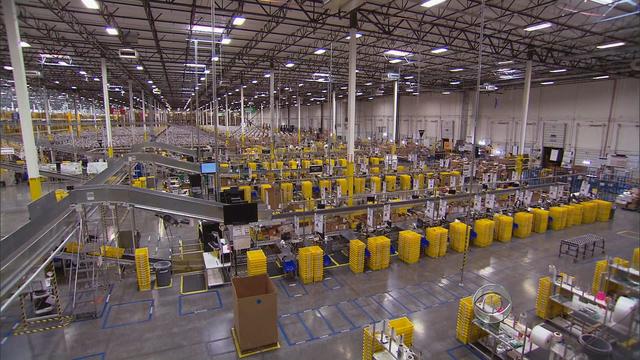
[{"x": 245, "y": 353}]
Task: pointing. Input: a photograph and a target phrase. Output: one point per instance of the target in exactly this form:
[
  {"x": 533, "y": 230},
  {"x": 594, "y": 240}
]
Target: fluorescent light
[
  {"x": 63, "y": 63},
  {"x": 370, "y": 98},
  {"x": 6, "y": 67},
  {"x": 507, "y": 77},
  {"x": 439, "y": 50},
  {"x": 547, "y": 83},
  {"x": 195, "y": 65},
  {"x": 505, "y": 62},
  {"x": 454, "y": 82},
  {"x": 238, "y": 20},
  {"x": 446, "y": 92},
  {"x": 540, "y": 26},
  {"x": 456, "y": 69},
  {"x": 207, "y": 29},
  {"x": 610, "y": 45},
  {"x": 267, "y": 75},
  {"x": 289, "y": 65},
  {"x": 320, "y": 51},
  {"x": 96, "y": 79},
  {"x": 408, "y": 77},
  {"x": 24, "y": 44},
  {"x": 586, "y": 162},
  {"x": 82, "y": 72},
  {"x": 150, "y": 81},
  {"x": 74, "y": 87},
  {"x": 368, "y": 84},
  {"x": 395, "y": 61},
  {"x": 358, "y": 93},
  {"x": 112, "y": 31},
  {"x": 254, "y": 81},
  {"x": 432, "y": 3},
  {"x": 397, "y": 53},
  {"x": 139, "y": 67},
  {"x": 320, "y": 74},
  {"x": 600, "y": 77},
  {"x": 215, "y": 58},
  {"x": 300, "y": 85},
  {"x": 557, "y": 70},
  {"x": 91, "y": 4},
  {"x": 343, "y": 88},
  {"x": 225, "y": 41},
  {"x": 358, "y": 36},
  {"x": 203, "y": 78}
]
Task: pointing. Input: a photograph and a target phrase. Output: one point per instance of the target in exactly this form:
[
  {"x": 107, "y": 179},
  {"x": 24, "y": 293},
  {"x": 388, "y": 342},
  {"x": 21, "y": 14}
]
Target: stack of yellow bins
[
  {"x": 317, "y": 162},
  {"x": 504, "y": 227},
  {"x": 379, "y": 252},
  {"x": 374, "y": 161},
  {"x": 579, "y": 210},
  {"x": 356, "y": 255},
  {"x": 524, "y": 223},
  {"x": 370, "y": 345},
  {"x": 310, "y": 264},
  {"x": 409, "y": 246},
  {"x": 558, "y": 217},
  {"x": 263, "y": 191},
  {"x": 293, "y": 164},
  {"x": 459, "y": 234},
  {"x": 375, "y": 184},
  {"x": 635, "y": 260},
  {"x": 545, "y": 308},
  {"x": 403, "y": 327},
  {"x": 342, "y": 183},
  {"x": 466, "y": 331},
  {"x": 286, "y": 189},
  {"x": 256, "y": 262},
  {"x": 405, "y": 182},
  {"x": 573, "y": 215},
  {"x": 358, "y": 185},
  {"x": 306, "y": 164},
  {"x": 420, "y": 181},
  {"x": 596, "y": 285},
  {"x": 326, "y": 184},
  {"x": 374, "y": 170},
  {"x": 589, "y": 212},
  {"x": 342, "y": 162},
  {"x": 437, "y": 237},
  {"x": 540, "y": 220},
  {"x": 143, "y": 272},
  {"x": 484, "y": 232},
  {"x": 390, "y": 180},
  {"x": 604, "y": 210}
]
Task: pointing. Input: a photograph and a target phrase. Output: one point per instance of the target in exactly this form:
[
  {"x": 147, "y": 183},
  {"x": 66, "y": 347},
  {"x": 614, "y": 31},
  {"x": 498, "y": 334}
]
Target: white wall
[{"x": 582, "y": 108}]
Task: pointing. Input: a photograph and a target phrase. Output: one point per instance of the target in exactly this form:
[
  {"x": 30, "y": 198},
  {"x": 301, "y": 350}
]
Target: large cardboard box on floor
[{"x": 255, "y": 310}]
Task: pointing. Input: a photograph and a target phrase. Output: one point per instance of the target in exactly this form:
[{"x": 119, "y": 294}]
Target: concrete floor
[{"x": 322, "y": 320}]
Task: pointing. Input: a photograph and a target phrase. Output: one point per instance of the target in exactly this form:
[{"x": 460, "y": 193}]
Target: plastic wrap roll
[
  {"x": 541, "y": 337},
  {"x": 624, "y": 307}
]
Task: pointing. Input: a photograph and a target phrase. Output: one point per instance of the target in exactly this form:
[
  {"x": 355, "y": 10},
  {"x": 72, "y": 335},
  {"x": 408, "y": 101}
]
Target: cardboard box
[{"x": 255, "y": 311}]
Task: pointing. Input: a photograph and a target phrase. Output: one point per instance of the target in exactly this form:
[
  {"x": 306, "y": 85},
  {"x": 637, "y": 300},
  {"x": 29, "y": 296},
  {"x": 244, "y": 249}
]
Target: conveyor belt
[
  {"x": 168, "y": 162},
  {"x": 50, "y": 174},
  {"x": 141, "y": 147}
]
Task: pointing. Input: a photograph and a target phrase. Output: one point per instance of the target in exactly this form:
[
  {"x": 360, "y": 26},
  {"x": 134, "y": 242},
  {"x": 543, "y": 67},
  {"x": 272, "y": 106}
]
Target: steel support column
[
  {"x": 105, "y": 96},
  {"x": 525, "y": 106}
]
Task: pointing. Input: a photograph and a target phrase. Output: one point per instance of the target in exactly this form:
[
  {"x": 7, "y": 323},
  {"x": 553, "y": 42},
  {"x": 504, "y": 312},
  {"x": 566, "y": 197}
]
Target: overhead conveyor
[{"x": 168, "y": 162}]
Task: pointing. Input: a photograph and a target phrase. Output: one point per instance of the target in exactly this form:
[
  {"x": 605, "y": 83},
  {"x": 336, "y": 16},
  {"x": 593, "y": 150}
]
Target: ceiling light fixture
[
  {"x": 195, "y": 65},
  {"x": 9, "y": 68},
  {"x": 82, "y": 72},
  {"x": 397, "y": 53},
  {"x": 139, "y": 67},
  {"x": 91, "y": 4},
  {"x": 254, "y": 81},
  {"x": 610, "y": 45},
  {"x": 446, "y": 93},
  {"x": 454, "y": 82},
  {"x": 267, "y": 75},
  {"x": 25, "y": 44},
  {"x": 600, "y": 77},
  {"x": 395, "y": 61},
  {"x": 320, "y": 51},
  {"x": 547, "y": 83},
  {"x": 207, "y": 29},
  {"x": 557, "y": 70},
  {"x": 150, "y": 81},
  {"x": 358, "y": 36},
  {"x": 368, "y": 84},
  {"x": 238, "y": 21},
  {"x": 540, "y": 26},
  {"x": 439, "y": 50},
  {"x": 432, "y": 3},
  {"x": 112, "y": 31},
  {"x": 289, "y": 65},
  {"x": 96, "y": 79},
  {"x": 225, "y": 41},
  {"x": 456, "y": 70},
  {"x": 505, "y": 62}
]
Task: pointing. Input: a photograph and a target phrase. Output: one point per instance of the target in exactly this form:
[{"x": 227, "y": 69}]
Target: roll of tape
[{"x": 541, "y": 337}]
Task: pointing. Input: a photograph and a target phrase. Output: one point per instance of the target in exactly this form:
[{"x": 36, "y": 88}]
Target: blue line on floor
[
  {"x": 333, "y": 332},
  {"x": 284, "y": 333},
  {"x": 415, "y": 298},
  {"x": 180, "y": 297},
  {"x": 372, "y": 297},
  {"x": 355, "y": 301},
  {"x": 150, "y": 314},
  {"x": 398, "y": 301},
  {"x": 91, "y": 356},
  {"x": 353, "y": 326},
  {"x": 306, "y": 328}
]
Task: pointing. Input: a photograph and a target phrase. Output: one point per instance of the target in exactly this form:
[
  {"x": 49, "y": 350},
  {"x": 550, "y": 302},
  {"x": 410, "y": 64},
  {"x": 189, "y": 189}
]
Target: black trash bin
[{"x": 163, "y": 273}]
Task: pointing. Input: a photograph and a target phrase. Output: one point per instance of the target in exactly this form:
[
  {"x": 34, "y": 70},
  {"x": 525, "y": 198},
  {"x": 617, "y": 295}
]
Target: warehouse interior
[{"x": 276, "y": 179}]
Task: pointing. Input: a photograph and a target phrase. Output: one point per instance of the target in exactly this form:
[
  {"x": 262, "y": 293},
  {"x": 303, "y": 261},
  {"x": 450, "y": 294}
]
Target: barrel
[{"x": 163, "y": 273}]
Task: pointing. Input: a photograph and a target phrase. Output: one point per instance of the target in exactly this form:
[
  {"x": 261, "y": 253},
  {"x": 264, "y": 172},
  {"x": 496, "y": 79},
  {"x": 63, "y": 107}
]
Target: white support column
[
  {"x": 272, "y": 117},
  {"x": 105, "y": 96},
  {"x": 333, "y": 114},
  {"x": 93, "y": 115},
  {"x": 22, "y": 94},
  {"x": 226, "y": 113},
  {"x": 132, "y": 115},
  {"x": 352, "y": 96},
  {"x": 144, "y": 118},
  {"x": 299, "y": 99},
  {"x": 525, "y": 106},
  {"x": 47, "y": 114},
  {"x": 261, "y": 116},
  {"x": 395, "y": 137},
  {"x": 242, "y": 125}
]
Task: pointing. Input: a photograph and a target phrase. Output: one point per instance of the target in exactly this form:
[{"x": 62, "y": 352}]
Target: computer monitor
[
  {"x": 208, "y": 168},
  {"x": 315, "y": 169},
  {"x": 239, "y": 214}
]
